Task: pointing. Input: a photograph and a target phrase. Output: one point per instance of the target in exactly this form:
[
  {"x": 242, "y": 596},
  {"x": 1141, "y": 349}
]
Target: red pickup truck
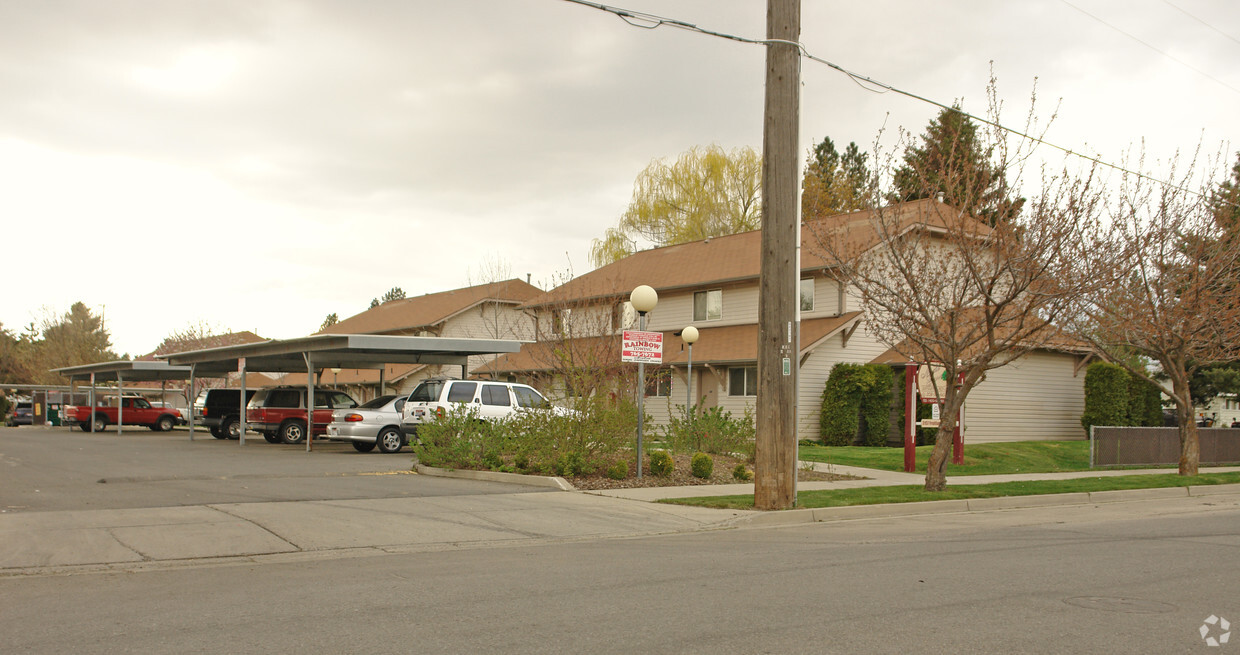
[{"x": 136, "y": 411}]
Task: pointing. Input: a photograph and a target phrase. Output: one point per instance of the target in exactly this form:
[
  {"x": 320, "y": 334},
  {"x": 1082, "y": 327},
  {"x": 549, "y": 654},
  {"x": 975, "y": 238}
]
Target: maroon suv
[{"x": 280, "y": 412}]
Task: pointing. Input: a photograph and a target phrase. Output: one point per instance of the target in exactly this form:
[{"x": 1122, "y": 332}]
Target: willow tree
[{"x": 706, "y": 192}]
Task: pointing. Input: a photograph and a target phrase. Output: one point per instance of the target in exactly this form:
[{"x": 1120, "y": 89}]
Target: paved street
[{"x": 207, "y": 546}]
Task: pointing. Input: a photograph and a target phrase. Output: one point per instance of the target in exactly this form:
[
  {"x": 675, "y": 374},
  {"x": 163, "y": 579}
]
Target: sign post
[{"x": 641, "y": 346}]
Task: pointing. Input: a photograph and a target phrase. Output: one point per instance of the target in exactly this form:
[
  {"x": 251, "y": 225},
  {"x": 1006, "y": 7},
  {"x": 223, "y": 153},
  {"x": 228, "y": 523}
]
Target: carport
[
  {"x": 315, "y": 353},
  {"x": 122, "y": 371}
]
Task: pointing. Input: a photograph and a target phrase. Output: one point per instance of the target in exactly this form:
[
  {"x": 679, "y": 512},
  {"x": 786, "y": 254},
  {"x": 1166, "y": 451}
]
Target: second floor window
[
  {"x": 708, "y": 305},
  {"x": 807, "y": 294}
]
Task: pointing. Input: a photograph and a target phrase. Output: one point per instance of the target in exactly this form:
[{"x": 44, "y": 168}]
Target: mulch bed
[{"x": 683, "y": 477}]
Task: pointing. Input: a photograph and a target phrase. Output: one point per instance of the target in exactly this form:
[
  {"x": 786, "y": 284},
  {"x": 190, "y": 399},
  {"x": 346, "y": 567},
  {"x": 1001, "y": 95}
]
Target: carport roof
[
  {"x": 130, "y": 371},
  {"x": 337, "y": 351}
]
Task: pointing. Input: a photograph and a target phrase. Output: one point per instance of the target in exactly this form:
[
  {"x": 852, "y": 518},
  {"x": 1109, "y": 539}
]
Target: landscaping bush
[
  {"x": 713, "y": 430},
  {"x": 661, "y": 463},
  {"x": 856, "y": 405},
  {"x": 619, "y": 470},
  {"x": 702, "y": 466},
  {"x": 741, "y": 473},
  {"x": 1106, "y": 395},
  {"x": 1144, "y": 403},
  {"x": 458, "y": 440}
]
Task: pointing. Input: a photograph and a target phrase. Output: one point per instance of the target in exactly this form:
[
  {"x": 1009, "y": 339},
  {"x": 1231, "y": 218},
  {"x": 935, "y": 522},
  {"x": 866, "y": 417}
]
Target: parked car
[
  {"x": 375, "y": 423},
  {"x": 492, "y": 400},
  {"x": 280, "y": 412},
  {"x": 220, "y": 411},
  {"x": 160, "y": 404},
  {"x": 133, "y": 409},
  {"x": 22, "y": 414}
]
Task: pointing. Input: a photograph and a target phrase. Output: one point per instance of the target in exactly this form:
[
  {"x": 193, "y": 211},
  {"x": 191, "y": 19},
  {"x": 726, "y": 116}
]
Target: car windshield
[
  {"x": 377, "y": 403},
  {"x": 426, "y": 392}
]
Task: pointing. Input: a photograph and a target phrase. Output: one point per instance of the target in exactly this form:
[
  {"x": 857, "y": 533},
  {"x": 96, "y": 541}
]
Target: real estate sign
[{"x": 640, "y": 346}]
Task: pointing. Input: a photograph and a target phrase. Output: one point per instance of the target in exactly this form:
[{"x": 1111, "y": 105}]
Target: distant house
[
  {"x": 713, "y": 284},
  {"x": 486, "y": 311}
]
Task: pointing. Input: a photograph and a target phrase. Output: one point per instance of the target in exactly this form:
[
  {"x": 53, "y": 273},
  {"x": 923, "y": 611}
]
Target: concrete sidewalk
[{"x": 127, "y": 539}]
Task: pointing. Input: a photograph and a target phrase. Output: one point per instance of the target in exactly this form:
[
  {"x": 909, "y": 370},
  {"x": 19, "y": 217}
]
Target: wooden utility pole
[{"x": 776, "y": 448}]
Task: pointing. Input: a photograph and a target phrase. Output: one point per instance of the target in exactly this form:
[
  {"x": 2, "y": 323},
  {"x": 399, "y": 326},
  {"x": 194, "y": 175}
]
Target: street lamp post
[
  {"x": 643, "y": 300},
  {"x": 689, "y": 335}
]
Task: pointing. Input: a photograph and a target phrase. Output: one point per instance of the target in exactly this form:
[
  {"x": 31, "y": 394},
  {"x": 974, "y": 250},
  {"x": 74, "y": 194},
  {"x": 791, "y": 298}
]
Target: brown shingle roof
[
  {"x": 736, "y": 256},
  {"x": 431, "y": 309},
  {"x": 213, "y": 341},
  {"x": 721, "y": 345}
]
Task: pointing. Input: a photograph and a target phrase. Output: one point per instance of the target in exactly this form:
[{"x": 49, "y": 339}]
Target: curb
[
  {"x": 553, "y": 482},
  {"x": 893, "y": 510}
]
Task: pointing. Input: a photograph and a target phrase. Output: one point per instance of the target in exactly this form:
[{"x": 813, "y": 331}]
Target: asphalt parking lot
[{"x": 51, "y": 469}]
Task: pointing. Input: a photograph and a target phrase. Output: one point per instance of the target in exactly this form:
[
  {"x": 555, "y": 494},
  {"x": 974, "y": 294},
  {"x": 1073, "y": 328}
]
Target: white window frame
[{"x": 717, "y": 293}]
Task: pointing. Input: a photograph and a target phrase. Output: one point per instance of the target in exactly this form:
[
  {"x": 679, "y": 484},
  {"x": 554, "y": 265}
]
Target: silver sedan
[{"x": 374, "y": 423}]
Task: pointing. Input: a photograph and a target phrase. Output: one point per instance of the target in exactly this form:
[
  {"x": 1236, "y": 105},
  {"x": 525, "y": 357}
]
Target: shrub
[
  {"x": 702, "y": 466},
  {"x": 712, "y": 430},
  {"x": 1144, "y": 403},
  {"x": 1106, "y": 395},
  {"x": 661, "y": 463},
  {"x": 741, "y": 473},
  {"x": 856, "y": 403},
  {"x": 619, "y": 470}
]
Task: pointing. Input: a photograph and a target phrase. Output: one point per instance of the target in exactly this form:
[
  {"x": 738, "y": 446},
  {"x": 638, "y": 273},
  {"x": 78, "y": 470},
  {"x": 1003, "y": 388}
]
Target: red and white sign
[{"x": 644, "y": 347}]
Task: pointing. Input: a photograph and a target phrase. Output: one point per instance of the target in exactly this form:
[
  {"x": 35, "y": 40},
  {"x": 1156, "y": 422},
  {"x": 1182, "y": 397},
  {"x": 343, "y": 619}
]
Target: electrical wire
[
  {"x": 1155, "y": 49},
  {"x": 651, "y": 21},
  {"x": 1185, "y": 12}
]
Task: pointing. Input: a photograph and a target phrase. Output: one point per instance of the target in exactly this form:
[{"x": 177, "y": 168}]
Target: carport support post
[
  {"x": 189, "y": 398},
  {"x": 241, "y": 420},
  {"x": 309, "y": 401},
  {"x": 91, "y": 415},
  {"x": 120, "y": 403}
]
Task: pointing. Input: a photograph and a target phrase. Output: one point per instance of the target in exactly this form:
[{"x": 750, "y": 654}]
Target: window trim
[
  {"x": 706, "y": 305},
  {"x": 745, "y": 392}
]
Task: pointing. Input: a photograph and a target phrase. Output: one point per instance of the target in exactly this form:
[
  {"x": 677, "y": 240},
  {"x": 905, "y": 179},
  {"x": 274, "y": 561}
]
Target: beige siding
[
  {"x": 1034, "y": 398},
  {"x": 861, "y": 349}
]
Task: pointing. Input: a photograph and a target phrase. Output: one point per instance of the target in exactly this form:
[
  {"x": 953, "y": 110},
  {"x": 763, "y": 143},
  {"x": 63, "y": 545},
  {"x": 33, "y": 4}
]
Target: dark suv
[
  {"x": 280, "y": 412},
  {"x": 220, "y": 410}
]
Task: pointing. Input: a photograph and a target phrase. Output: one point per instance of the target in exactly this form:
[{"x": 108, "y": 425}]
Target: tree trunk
[
  {"x": 1190, "y": 447},
  {"x": 936, "y": 468}
]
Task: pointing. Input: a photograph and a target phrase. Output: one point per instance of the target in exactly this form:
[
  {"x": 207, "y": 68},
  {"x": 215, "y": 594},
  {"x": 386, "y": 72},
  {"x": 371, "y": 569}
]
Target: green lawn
[
  {"x": 915, "y": 493},
  {"x": 979, "y": 459}
]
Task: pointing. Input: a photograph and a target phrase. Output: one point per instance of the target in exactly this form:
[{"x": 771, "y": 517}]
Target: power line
[
  {"x": 1185, "y": 12},
  {"x": 652, "y": 21},
  {"x": 1155, "y": 49}
]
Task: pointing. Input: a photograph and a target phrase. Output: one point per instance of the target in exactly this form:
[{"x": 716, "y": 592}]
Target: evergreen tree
[
  {"x": 834, "y": 182},
  {"x": 953, "y": 160}
]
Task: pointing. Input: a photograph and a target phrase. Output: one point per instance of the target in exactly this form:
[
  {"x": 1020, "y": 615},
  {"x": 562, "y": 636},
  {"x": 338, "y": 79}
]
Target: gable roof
[
  {"x": 732, "y": 344},
  {"x": 420, "y": 312},
  {"x": 203, "y": 343},
  {"x": 737, "y": 257}
]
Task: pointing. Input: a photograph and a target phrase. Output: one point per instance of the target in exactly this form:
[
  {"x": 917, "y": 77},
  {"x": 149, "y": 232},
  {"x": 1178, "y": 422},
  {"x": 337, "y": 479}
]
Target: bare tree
[
  {"x": 941, "y": 286},
  {"x": 1174, "y": 297}
]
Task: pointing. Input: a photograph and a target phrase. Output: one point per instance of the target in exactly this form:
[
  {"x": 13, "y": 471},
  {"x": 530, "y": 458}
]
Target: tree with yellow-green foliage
[{"x": 706, "y": 192}]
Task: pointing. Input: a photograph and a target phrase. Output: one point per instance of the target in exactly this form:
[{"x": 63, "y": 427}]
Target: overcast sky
[{"x": 259, "y": 164}]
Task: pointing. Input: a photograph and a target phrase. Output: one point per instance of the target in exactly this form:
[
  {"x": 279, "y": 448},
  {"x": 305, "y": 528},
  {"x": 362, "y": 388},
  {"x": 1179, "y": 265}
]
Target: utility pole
[{"x": 776, "y": 447}]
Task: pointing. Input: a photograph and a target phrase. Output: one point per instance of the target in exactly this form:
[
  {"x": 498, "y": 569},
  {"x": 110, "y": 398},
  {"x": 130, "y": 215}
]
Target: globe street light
[
  {"x": 689, "y": 335},
  {"x": 643, "y": 300}
]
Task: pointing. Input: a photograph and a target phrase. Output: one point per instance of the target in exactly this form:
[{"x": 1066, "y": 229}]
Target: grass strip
[
  {"x": 916, "y": 494},
  {"x": 979, "y": 459}
]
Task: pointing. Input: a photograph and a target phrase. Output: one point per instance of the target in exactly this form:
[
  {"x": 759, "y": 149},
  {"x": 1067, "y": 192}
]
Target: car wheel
[
  {"x": 390, "y": 441},
  {"x": 292, "y": 432},
  {"x": 272, "y": 437},
  {"x": 217, "y": 433},
  {"x": 98, "y": 423},
  {"x": 85, "y": 427},
  {"x": 231, "y": 429},
  {"x": 165, "y": 423},
  {"x": 363, "y": 446}
]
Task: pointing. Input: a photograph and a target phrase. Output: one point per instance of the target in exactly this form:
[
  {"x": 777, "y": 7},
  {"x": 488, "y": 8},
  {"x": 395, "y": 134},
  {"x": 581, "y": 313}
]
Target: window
[
  {"x": 807, "y": 294},
  {"x": 340, "y": 400},
  {"x": 527, "y": 397},
  {"x": 462, "y": 392},
  {"x": 743, "y": 381},
  {"x": 426, "y": 392},
  {"x": 287, "y": 398},
  {"x": 659, "y": 384},
  {"x": 495, "y": 395},
  {"x": 708, "y": 305},
  {"x": 559, "y": 320}
]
